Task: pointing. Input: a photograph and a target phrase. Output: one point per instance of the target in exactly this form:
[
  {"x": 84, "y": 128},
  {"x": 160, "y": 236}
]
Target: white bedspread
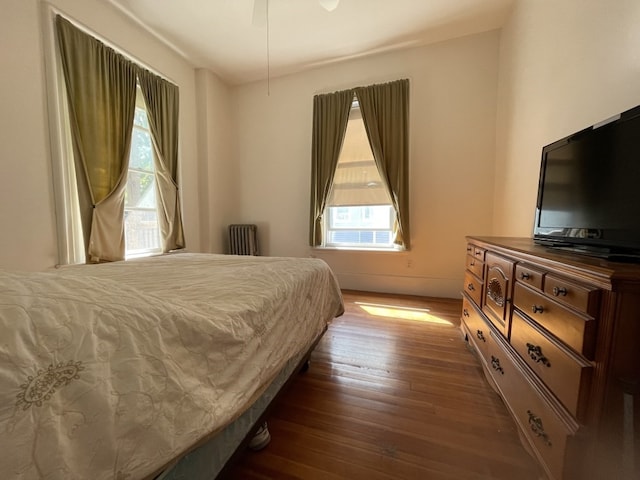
[{"x": 110, "y": 371}]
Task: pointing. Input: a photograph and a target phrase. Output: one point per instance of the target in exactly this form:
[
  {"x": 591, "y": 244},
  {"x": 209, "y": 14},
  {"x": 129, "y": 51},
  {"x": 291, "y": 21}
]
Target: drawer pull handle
[
  {"x": 472, "y": 263},
  {"x": 535, "y": 352},
  {"x": 470, "y": 287},
  {"x": 535, "y": 423},
  {"x": 469, "y": 249},
  {"x": 480, "y": 335},
  {"x": 465, "y": 312},
  {"x": 557, "y": 291},
  {"x": 525, "y": 276},
  {"x": 537, "y": 309},
  {"x": 495, "y": 364}
]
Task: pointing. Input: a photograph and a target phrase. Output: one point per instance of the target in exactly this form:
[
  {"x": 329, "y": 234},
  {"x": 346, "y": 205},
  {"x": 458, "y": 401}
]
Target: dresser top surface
[{"x": 605, "y": 273}]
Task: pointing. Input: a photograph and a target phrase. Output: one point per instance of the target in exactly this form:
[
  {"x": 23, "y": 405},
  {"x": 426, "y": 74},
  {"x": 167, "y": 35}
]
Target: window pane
[
  {"x": 344, "y": 236},
  {"x": 141, "y": 156},
  {"x": 142, "y": 234},
  {"x": 383, "y": 237},
  {"x": 366, "y": 237},
  {"x": 373, "y": 238},
  {"x": 140, "y": 118},
  {"x": 141, "y": 190},
  {"x": 141, "y": 230}
]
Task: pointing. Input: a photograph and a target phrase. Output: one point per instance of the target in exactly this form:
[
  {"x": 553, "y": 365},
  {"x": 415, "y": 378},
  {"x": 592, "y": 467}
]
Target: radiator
[{"x": 243, "y": 239}]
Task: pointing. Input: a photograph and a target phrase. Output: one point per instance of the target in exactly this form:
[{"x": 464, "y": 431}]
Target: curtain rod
[
  {"x": 361, "y": 86},
  {"x": 54, "y": 10}
]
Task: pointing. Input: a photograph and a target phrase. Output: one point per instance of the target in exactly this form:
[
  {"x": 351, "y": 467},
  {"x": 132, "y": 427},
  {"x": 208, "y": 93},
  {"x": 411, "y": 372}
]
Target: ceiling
[{"x": 222, "y": 36}]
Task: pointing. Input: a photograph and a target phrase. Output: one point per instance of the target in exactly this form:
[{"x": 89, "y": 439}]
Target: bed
[{"x": 150, "y": 368}]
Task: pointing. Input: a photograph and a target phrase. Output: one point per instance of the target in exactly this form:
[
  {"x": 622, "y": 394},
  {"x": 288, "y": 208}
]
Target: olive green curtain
[
  {"x": 162, "y": 101},
  {"x": 330, "y": 115},
  {"x": 101, "y": 91},
  {"x": 385, "y": 113}
]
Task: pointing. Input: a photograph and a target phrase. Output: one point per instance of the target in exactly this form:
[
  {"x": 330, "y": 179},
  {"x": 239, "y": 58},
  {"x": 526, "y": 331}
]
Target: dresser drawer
[
  {"x": 546, "y": 433},
  {"x": 581, "y": 298},
  {"x": 473, "y": 287},
  {"x": 529, "y": 275},
  {"x": 478, "y": 252},
  {"x": 567, "y": 375},
  {"x": 475, "y": 251},
  {"x": 572, "y": 328},
  {"x": 475, "y": 265},
  {"x": 477, "y": 328}
]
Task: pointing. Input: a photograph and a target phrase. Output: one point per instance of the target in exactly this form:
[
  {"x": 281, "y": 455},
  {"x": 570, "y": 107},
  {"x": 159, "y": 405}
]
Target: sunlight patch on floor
[{"x": 404, "y": 313}]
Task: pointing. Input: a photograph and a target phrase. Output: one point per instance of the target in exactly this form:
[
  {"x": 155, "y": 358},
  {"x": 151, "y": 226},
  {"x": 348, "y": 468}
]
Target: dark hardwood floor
[{"x": 390, "y": 398}]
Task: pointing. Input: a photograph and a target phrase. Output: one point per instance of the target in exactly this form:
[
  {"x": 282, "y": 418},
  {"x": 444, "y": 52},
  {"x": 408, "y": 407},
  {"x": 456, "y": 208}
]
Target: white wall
[
  {"x": 219, "y": 195},
  {"x": 27, "y": 216},
  {"x": 28, "y": 238},
  {"x": 453, "y": 88},
  {"x": 564, "y": 65}
]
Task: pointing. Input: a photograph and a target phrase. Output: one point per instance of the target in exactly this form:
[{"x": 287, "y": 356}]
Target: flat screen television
[{"x": 589, "y": 190}]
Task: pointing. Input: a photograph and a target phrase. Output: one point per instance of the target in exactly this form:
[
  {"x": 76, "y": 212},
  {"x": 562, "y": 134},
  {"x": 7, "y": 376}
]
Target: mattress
[
  {"x": 115, "y": 370},
  {"x": 210, "y": 459}
]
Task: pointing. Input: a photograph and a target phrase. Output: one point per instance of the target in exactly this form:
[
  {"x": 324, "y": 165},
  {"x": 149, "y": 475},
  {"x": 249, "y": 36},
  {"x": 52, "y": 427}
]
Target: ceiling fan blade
[
  {"x": 259, "y": 13},
  {"x": 329, "y": 5}
]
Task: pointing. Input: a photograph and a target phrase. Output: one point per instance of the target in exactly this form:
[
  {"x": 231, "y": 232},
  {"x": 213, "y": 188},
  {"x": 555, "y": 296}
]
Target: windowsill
[
  {"x": 133, "y": 256},
  {"x": 361, "y": 249}
]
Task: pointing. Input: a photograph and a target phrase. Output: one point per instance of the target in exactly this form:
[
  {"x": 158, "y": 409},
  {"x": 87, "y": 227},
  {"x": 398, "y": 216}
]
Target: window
[
  {"x": 142, "y": 235},
  {"x": 359, "y": 212},
  {"x": 94, "y": 94},
  {"x": 344, "y": 172}
]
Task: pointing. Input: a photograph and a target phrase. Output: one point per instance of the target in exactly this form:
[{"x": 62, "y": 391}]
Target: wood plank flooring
[{"x": 390, "y": 398}]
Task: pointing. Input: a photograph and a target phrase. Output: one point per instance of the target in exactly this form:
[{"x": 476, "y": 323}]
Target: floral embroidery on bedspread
[{"x": 40, "y": 388}]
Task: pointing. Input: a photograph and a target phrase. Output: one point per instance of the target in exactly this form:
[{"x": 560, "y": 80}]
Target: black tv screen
[{"x": 589, "y": 190}]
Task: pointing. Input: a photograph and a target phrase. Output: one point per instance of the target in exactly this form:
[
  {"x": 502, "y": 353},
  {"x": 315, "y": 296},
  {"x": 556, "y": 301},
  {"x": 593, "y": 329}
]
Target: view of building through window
[
  {"x": 359, "y": 211},
  {"x": 360, "y": 225},
  {"x": 142, "y": 234}
]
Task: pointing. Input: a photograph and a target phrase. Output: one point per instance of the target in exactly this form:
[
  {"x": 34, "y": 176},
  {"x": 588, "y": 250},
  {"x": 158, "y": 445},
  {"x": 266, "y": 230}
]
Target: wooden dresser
[{"x": 558, "y": 335}]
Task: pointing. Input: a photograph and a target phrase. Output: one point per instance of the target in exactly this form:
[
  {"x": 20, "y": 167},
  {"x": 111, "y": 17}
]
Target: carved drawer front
[
  {"x": 566, "y": 374},
  {"x": 476, "y": 266},
  {"x": 584, "y": 299},
  {"x": 473, "y": 287},
  {"x": 529, "y": 275},
  {"x": 496, "y": 298},
  {"x": 477, "y": 328},
  {"x": 544, "y": 429},
  {"x": 573, "y": 328}
]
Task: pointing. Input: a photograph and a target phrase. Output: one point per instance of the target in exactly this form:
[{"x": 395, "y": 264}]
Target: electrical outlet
[{"x": 409, "y": 263}]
